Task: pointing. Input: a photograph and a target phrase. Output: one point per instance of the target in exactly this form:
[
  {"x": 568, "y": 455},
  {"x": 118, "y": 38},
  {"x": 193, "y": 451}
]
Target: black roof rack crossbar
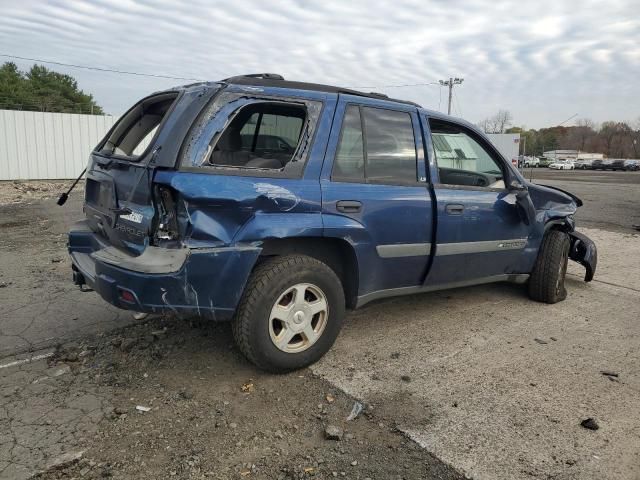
[{"x": 265, "y": 76}]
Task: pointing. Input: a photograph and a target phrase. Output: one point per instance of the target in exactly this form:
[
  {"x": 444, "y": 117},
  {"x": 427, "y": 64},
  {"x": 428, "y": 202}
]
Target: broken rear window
[
  {"x": 132, "y": 134},
  {"x": 237, "y": 131}
]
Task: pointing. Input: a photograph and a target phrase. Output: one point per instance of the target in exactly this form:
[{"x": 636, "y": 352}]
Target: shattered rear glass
[{"x": 217, "y": 116}]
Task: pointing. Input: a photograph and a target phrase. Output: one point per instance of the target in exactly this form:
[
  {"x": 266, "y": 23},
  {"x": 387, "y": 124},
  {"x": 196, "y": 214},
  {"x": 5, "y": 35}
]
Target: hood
[
  {"x": 554, "y": 199},
  {"x": 575, "y": 198}
]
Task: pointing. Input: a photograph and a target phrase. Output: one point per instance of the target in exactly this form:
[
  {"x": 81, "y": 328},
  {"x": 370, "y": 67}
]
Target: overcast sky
[{"x": 543, "y": 60}]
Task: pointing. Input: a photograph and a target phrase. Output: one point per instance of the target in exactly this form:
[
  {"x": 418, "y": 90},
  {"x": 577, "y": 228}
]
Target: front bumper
[
  {"x": 583, "y": 250},
  {"x": 206, "y": 282}
]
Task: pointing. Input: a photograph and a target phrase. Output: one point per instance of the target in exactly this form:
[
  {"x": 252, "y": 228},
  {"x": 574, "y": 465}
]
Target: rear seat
[{"x": 229, "y": 152}]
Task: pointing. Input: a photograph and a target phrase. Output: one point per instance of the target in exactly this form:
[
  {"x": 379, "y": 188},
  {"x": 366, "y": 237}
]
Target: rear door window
[
  {"x": 377, "y": 146},
  {"x": 390, "y": 146},
  {"x": 349, "y": 163}
]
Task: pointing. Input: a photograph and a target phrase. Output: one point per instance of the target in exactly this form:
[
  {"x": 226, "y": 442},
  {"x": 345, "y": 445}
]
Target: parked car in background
[
  {"x": 545, "y": 162},
  {"x": 616, "y": 164},
  {"x": 582, "y": 164},
  {"x": 531, "y": 162},
  {"x": 597, "y": 164},
  {"x": 375, "y": 198},
  {"x": 562, "y": 165},
  {"x": 632, "y": 165}
]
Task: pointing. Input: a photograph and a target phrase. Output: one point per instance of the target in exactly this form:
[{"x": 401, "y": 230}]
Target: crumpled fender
[{"x": 583, "y": 250}]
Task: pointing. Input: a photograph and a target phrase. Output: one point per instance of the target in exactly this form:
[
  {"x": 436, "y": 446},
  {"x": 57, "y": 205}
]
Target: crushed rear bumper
[
  {"x": 206, "y": 282},
  {"x": 583, "y": 250}
]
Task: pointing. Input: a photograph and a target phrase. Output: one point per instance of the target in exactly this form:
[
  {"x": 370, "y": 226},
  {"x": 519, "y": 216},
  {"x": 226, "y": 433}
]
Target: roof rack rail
[
  {"x": 275, "y": 80},
  {"x": 378, "y": 94},
  {"x": 265, "y": 76}
]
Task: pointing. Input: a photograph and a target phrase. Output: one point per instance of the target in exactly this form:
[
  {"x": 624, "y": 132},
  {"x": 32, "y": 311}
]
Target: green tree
[{"x": 41, "y": 89}]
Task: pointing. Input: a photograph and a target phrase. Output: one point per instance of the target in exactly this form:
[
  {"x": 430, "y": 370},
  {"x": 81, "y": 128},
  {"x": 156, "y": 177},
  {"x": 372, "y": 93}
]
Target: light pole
[{"x": 450, "y": 83}]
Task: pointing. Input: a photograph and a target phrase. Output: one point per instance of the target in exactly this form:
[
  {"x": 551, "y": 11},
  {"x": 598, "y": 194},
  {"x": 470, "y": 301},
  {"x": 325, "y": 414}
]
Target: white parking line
[{"x": 26, "y": 360}]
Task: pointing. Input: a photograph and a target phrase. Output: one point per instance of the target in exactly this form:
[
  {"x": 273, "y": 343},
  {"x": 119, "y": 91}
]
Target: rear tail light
[
  {"x": 167, "y": 215},
  {"x": 127, "y": 296}
]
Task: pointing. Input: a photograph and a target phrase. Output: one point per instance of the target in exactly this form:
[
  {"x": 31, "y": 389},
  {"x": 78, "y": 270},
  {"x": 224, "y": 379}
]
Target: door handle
[
  {"x": 349, "y": 206},
  {"x": 454, "y": 209}
]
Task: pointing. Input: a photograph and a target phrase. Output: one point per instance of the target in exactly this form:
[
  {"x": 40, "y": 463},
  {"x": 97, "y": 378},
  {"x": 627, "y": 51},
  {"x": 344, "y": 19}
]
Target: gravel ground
[
  {"x": 21, "y": 192},
  {"x": 176, "y": 400},
  {"x": 451, "y": 370},
  {"x": 212, "y": 415},
  {"x": 35, "y": 273}
]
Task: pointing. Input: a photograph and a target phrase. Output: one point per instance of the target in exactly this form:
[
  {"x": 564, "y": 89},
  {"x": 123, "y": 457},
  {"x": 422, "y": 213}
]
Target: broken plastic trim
[{"x": 167, "y": 228}]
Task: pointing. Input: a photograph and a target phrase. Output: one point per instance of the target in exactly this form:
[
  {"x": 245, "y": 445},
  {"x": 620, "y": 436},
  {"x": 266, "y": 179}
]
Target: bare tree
[
  {"x": 584, "y": 131},
  {"x": 616, "y": 136},
  {"x": 497, "y": 123},
  {"x": 503, "y": 120}
]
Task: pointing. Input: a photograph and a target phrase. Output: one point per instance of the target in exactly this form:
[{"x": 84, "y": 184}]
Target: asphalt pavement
[{"x": 611, "y": 199}]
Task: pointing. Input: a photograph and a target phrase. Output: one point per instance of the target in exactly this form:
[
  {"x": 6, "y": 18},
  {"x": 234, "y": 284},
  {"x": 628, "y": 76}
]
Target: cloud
[{"x": 542, "y": 60}]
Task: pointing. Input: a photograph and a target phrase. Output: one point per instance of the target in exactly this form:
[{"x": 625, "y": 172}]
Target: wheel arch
[
  {"x": 564, "y": 224},
  {"x": 337, "y": 253}
]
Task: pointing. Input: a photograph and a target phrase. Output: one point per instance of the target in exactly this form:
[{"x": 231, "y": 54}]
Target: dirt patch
[
  {"x": 185, "y": 404},
  {"x": 31, "y": 190}
]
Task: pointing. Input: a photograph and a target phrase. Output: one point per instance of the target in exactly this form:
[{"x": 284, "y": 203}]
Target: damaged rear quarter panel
[
  {"x": 225, "y": 210},
  {"x": 224, "y": 220}
]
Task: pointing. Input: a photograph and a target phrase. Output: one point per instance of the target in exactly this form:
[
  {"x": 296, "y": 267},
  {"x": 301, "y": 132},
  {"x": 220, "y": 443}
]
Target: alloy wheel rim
[{"x": 298, "y": 318}]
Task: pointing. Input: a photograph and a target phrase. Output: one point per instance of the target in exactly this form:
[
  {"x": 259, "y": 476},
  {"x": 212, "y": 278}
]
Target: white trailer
[{"x": 508, "y": 144}]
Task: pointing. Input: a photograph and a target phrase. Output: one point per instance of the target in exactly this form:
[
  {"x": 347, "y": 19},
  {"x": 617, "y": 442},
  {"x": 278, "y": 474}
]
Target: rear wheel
[
  {"x": 546, "y": 283},
  {"x": 290, "y": 313}
]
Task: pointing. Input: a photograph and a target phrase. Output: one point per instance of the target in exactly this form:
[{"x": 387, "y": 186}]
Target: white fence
[{"x": 43, "y": 145}]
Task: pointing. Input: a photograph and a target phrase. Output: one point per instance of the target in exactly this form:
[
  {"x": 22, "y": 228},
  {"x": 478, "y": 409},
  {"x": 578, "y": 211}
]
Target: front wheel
[
  {"x": 290, "y": 313},
  {"x": 546, "y": 283}
]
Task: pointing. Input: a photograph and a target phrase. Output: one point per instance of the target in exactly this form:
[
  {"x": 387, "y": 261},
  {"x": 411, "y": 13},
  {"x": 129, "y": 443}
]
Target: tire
[
  {"x": 256, "y": 333},
  {"x": 546, "y": 283}
]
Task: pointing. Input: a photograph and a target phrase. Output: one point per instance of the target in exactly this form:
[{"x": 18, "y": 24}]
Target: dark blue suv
[{"x": 279, "y": 204}]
